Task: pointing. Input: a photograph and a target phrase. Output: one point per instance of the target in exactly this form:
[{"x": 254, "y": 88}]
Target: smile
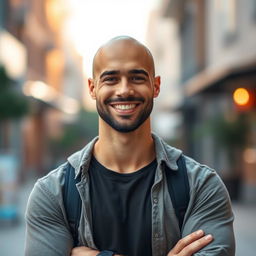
[{"x": 125, "y": 106}]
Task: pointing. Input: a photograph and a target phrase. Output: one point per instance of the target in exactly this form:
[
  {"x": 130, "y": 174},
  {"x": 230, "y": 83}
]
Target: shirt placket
[
  {"x": 85, "y": 231},
  {"x": 158, "y": 240}
]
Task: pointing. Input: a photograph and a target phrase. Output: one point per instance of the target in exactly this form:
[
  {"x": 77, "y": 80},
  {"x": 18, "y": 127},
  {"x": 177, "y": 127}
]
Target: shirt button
[{"x": 155, "y": 200}]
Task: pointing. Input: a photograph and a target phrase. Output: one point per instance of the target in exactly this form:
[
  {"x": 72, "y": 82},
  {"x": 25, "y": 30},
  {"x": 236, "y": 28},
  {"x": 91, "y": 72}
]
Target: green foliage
[
  {"x": 12, "y": 103},
  {"x": 229, "y": 133}
]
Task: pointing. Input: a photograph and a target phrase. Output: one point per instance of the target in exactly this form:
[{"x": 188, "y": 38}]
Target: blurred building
[
  {"x": 13, "y": 56},
  {"x": 51, "y": 79},
  {"x": 163, "y": 42},
  {"x": 217, "y": 55}
]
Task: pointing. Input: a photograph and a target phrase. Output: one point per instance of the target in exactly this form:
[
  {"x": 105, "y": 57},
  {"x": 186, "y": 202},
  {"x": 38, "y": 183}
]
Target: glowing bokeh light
[{"x": 241, "y": 96}]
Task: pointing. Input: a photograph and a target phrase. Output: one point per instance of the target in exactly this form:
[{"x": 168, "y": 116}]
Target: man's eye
[
  {"x": 138, "y": 78},
  {"x": 110, "y": 79}
]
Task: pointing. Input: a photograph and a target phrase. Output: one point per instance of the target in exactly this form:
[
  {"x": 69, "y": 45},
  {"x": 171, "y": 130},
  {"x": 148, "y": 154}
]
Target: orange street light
[{"x": 241, "y": 96}]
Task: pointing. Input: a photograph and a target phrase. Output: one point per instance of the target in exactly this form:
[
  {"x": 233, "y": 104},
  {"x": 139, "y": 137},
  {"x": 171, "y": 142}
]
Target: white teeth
[{"x": 125, "y": 107}]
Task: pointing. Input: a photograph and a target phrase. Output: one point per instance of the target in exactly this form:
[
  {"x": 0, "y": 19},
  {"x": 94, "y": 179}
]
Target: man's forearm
[{"x": 186, "y": 246}]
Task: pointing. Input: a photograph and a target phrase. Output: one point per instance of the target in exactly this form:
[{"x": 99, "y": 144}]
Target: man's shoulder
[
  {"x": 201, "y": 175},
  {"x": 56, "y": 177},
  {"x": 53, "y": 181},
  {"x": 171, "y": 153},
  {"x": 193, "y": 165}
]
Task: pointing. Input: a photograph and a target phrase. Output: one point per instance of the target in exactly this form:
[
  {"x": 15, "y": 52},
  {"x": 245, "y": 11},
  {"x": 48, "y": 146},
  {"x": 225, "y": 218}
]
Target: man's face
[{"x": 124, "y": 86}]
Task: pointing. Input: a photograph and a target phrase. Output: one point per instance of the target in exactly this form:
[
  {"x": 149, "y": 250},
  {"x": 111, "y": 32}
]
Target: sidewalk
[
  {"x": 12, "y": 238},
  {"x": 245, "y": 229}
]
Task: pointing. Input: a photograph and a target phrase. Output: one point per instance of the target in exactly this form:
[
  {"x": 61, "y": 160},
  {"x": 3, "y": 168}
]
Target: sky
[{"x": 93, "y": 22}]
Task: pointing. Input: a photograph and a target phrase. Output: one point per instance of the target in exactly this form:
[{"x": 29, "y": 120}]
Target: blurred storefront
[
  {"x": 51, "y": 79},
  {"x": 217, "y": 56},
  {"x": 13, "y": 106},
  {"x": 42, "y": 78}
]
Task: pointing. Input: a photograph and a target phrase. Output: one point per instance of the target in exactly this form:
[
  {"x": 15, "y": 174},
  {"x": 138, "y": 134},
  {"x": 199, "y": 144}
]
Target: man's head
[
  {"x": 124, "y": 83},
  {"x": 121, "y": 43}
]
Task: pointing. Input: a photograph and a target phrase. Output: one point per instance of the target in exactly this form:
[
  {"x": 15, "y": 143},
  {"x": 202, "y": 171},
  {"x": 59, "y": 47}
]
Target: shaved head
[
  {"x": 124, "y": 84},
  {"x": 123, "y": 45}
]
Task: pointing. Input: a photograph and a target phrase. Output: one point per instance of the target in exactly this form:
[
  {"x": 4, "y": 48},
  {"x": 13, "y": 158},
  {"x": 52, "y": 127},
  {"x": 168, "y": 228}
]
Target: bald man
[{"x": 126, "y": 207}]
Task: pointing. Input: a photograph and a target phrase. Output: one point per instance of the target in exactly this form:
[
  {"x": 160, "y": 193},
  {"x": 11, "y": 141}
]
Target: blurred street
[
  {"x": 12, "y": 238},
  {"x": 204, "y": 52}
]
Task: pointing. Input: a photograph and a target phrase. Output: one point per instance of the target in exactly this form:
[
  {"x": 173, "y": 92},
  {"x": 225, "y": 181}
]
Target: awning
[
  {"x": 211, "y": 76},
  {"x": 48, "y": 95}
]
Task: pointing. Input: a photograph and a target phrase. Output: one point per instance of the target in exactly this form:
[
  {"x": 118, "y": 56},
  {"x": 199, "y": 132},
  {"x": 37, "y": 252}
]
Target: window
[
  {"x": 227, "y": 13},
  {"x": 253, "y": 10}
]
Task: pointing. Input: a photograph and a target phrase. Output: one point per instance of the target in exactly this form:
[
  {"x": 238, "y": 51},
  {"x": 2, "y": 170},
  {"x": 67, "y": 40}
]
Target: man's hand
[
  {"x": 191, "y": 244},
  {"x": 83, "y": 251}
]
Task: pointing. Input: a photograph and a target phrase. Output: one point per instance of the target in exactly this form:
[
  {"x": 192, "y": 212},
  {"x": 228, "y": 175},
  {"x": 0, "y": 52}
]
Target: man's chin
[
  {"x": 124, "y": 128},
  {"x": 124, "y": 123}
]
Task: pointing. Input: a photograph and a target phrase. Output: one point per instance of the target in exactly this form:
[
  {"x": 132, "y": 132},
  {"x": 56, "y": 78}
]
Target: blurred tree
[
  {"x": 75, "y": 135},
  {"x": 12, "y": 103},
  {"x": 231, "y": 133}
]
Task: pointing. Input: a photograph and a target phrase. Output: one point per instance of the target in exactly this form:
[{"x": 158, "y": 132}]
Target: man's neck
[{"x": 124, "y": 152}]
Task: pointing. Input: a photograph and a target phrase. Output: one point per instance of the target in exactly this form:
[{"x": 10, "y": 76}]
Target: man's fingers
[
  {"x": 191, "y": 244},
  {"x": 187, "y": 240},
  {"x": 196, "y": 246}
]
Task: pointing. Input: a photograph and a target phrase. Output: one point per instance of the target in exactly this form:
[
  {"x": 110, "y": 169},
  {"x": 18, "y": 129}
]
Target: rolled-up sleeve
[
  {"x": 210, "y": 209},
  {"x": 46, "y": 230}
]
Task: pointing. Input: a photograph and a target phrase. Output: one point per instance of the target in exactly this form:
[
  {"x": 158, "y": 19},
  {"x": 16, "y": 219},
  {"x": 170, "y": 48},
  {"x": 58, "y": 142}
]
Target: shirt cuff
[{"x": 105, "y": 253}]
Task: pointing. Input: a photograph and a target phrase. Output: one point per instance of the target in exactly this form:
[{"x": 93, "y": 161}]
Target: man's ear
[
  {"x": 91, "y": 88},
  {"x": 157, "y": 82}
]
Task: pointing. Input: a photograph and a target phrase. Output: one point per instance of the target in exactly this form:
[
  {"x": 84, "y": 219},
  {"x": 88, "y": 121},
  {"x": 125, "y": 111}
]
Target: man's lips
[
  {"x": 125, "y": 108},
  {"x": 124, "y": 101},
  {"x": 125, "y": 105}
]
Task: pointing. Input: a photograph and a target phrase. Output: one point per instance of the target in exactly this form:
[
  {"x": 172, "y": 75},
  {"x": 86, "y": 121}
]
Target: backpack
[{"x": 178, "y": 187}]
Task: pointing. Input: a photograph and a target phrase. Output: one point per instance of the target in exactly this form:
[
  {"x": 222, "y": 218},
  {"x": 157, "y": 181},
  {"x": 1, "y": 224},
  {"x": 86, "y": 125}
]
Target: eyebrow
[
  {"x": 115, "y": 72},
  {"x": 109, "y": 73},
  {"x": 138, "y": 71}
]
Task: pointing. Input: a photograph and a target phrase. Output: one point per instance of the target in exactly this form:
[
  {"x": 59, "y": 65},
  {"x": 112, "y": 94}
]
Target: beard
[{"x": 118, "y": 126}]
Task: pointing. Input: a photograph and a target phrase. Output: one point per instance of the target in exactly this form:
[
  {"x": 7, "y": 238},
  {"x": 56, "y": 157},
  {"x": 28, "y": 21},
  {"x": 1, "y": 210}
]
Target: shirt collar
[
  {"x": 81, "y": 159},
  {"x": 164, "y": 153}
]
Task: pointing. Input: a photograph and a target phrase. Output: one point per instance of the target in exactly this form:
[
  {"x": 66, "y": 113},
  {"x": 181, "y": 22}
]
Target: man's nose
[{"x": 125, "y": 88}]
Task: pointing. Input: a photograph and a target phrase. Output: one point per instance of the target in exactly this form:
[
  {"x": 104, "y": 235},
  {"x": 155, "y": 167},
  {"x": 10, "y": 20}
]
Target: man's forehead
[{"x": 123, "y": 50}]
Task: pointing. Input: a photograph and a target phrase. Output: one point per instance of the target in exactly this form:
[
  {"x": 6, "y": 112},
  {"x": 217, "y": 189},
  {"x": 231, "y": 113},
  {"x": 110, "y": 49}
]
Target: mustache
[{"x": 127, "y": 99}]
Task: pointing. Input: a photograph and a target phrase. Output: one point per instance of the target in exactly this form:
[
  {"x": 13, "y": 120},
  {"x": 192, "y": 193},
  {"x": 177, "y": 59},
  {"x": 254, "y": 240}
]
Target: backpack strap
[
  {"x": 178, "y": 187},
  {"x": 72, "y": 201}
]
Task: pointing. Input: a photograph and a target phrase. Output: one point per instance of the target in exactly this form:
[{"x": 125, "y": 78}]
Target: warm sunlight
[{"x": 92, "y": 22}]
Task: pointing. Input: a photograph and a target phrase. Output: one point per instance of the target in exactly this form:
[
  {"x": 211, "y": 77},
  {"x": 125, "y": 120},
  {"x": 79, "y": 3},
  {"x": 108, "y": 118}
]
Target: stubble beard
[{"x": 118, "y": 126}]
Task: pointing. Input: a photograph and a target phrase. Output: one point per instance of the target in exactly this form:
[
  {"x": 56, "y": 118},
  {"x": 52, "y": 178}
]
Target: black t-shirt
[{"x": 121, "y": 209}]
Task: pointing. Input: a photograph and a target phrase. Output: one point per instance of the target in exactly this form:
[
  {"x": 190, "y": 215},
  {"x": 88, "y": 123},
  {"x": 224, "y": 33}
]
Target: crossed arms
[{"x": 187, "y": 246}]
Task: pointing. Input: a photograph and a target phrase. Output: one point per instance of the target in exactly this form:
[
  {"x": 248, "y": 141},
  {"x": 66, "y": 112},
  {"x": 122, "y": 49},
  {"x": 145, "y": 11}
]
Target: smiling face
[{"x": 123, "y": 84}]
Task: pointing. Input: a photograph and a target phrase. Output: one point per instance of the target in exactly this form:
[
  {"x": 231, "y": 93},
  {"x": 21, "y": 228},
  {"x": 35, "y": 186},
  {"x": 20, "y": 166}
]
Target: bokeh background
[{"x": 205, "y": 52}]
